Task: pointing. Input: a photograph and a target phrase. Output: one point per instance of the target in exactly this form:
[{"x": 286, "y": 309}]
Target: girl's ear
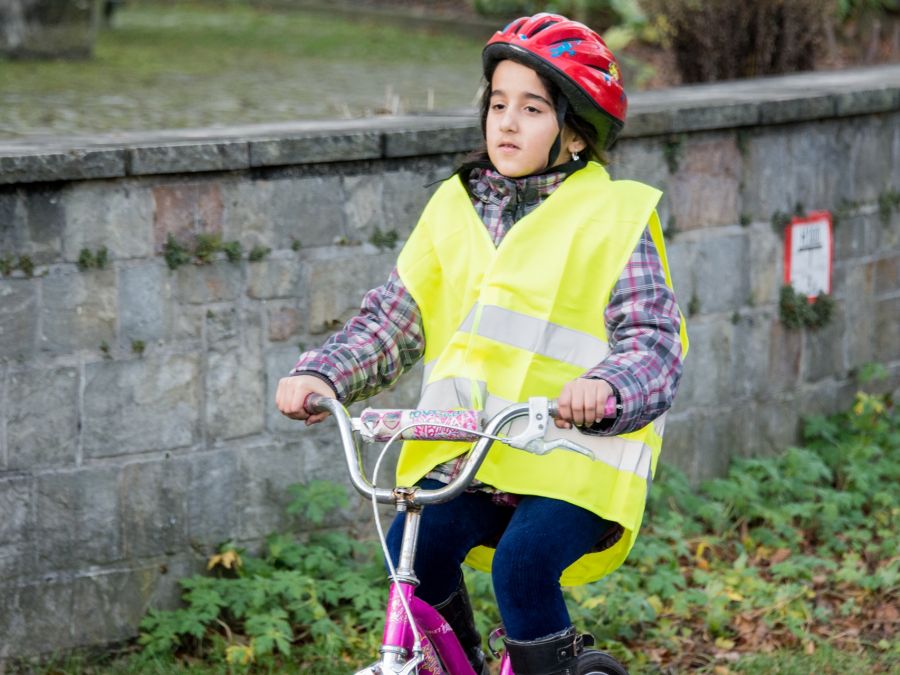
[{"x": 572, "y": 142}]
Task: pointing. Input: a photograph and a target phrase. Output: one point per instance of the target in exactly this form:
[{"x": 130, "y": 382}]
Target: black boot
[
  {"x": 457, "y": 610},
  {"x": 554, "y": 655}
]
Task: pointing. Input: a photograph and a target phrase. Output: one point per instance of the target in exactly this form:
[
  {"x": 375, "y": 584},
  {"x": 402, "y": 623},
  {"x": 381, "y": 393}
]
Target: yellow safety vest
[{"x": 522, "y": 319}]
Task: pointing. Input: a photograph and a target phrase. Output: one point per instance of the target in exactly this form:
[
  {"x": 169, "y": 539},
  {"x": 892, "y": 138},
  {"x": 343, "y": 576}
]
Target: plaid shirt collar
[{"x": 491, "y": 187}]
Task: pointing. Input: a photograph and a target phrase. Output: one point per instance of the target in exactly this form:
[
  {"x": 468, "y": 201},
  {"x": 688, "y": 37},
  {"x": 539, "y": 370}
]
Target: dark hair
[{"x": 580, "y": 126}]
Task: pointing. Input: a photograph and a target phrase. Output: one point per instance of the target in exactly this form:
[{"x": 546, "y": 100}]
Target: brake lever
[{"x": 532, "y": 438}]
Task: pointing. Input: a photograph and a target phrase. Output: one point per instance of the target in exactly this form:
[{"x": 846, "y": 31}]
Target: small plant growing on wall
[
  {"x": 174, "y": 253},
  {"x": 88, "y": 259},
  {"x": 233, "y": 251},
  {"x": 206, "y": 246},
  {"x": 258, "y": 253},
  {"x": 796, "y": 311}
]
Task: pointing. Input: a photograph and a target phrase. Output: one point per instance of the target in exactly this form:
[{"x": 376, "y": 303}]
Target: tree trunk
[{"x": 47, "y": 28}]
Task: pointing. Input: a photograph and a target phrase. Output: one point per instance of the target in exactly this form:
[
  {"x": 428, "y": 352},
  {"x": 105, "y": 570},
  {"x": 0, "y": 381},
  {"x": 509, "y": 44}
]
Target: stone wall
[{"x": 137, "y": 429}]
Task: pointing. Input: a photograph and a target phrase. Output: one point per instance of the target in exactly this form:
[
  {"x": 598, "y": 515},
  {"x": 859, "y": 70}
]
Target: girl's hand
[
  {"x": 292, "y": 392},
  {"x": 582, "y": 402}
]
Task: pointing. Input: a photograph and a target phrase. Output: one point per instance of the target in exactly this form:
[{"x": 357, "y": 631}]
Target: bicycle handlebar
[{"x": 434, "y": 425}]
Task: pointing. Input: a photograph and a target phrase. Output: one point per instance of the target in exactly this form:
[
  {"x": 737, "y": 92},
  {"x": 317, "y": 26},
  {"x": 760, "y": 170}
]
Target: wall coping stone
[{"x": 741, "y": 103}]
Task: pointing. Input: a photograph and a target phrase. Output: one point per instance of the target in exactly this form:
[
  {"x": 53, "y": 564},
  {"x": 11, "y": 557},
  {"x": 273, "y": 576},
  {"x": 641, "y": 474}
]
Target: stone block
[
  {"x": 807, "y": 106},
  {"x": 13, "y": 228},
  {"x": 145, "y": 309},
  {"x": 108, "y": 607},
  {"x": 823, "y": 348},
  {"x": 235, "y": 383},
  {"x": 777, "y": 423},
  {"x": 114, "y": 214},
  {"x": 887, "y": 330},
  {"x": 751, "y": 353},
  {"x": 185, "y": 210},
  {"x": 280, "y": 277},
  {"x": 708, "y": 371},
  {"x": 678, "y": 445},
  {"x": 766, "y": 252},
  {"x": 705, "y": 191},
  {"x": 219, "y": 281},
  {"x": 867, "y": 165},
  {"x": 324, "y": 147},
  {"x": 16, "y": 526},
  {"x": 827, "y": 398},
  {"x": 157, "y": 405},
  {"x": 153, "y": 497},
  {"x": 363, "y": 206},
  {"x": 853, "y": 236},
  {"x": 47, "y": 165},
  {"x": 887, "y": 231},
  {"x": 43, "y": 212},
  {"x": 439, "y": 140},
  {"x": 287, "y": 212},
  {"x": 37, "y": 618},
  {"x": 858, "y": 310},
  {"x": 188, "y": 157},
  {"x": 18, "y": 318},
  {"x": 77, "y": 519},
  {"x": 42, "y": 418},
  {"x": 341, "y": 278},
  {"x": 785, "y": 354},
  {"x": 265, "y": 472},
  {"x": 786, "y": 166},
  {"x": 682, "y": 266},
  {"x": 887, "y": 275},
  {"x": 405, "y": 194},
  {"x": 717, "y": 438},
  {"x": 223, "y": 327},
  {"x": 213, "y": 498},
  {"x": 78, "y": 309},
  {"x": 722, "y": 271},
  {"x": 284, "y": 321}
]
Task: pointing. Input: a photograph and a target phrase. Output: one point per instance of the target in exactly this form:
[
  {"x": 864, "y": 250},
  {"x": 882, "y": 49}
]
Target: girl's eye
[
  {"x": 497, "y": 106},
  {"x": 532, "y": 109}
]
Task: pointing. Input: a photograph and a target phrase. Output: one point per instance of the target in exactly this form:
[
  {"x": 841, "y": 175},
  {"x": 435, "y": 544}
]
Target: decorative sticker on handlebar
[{"x": 430, "y": 425}]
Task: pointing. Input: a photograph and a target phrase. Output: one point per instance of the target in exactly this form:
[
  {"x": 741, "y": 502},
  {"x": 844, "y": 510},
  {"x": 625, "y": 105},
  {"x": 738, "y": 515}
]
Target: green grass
[{"x": 196, "y": 64}]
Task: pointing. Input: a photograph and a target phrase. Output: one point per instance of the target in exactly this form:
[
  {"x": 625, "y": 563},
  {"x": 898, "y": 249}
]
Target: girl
[{"x": 530, "y": 273}]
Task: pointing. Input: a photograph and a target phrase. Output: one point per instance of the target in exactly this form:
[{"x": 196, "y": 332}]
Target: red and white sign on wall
[{"x": 808, "y": 252}]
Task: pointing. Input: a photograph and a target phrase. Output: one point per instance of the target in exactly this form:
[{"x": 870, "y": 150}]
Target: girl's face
[{"x": 521, "y": 123}]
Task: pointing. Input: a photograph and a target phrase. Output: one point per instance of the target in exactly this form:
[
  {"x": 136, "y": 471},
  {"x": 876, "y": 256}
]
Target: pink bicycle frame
[{"x": 437, "y": 635}]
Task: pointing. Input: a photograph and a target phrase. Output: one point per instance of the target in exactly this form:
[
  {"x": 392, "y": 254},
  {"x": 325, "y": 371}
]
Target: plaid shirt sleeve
[
  {"x": 643, "y": 323},
  {"x": 374, "y": 348}
]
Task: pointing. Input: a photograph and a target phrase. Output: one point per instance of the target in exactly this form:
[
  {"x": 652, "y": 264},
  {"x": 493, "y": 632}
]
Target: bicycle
[{"x": 416, "y": 637}]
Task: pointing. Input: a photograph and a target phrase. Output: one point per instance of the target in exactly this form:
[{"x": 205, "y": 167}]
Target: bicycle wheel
[{"x": 592, "y": 662}]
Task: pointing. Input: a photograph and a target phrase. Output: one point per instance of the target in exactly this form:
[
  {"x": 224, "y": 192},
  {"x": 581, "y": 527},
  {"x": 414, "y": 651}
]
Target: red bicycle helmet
[{"x": 573, "y": 57}]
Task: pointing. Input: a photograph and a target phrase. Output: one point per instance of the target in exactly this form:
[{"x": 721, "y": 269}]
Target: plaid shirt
[{"x": 644, "y": 365}]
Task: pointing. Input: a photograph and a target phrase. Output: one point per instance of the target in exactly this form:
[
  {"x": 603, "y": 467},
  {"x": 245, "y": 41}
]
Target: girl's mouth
[{"x": 508, "y": 147}]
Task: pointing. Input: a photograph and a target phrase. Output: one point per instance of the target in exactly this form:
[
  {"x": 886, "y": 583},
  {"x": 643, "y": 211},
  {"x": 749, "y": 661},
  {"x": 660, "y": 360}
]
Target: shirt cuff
[{"x": 629, "y": 395}]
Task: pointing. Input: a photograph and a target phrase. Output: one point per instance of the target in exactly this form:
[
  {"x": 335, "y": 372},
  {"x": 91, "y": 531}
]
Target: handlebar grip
[
  {"x": 312, "y": 403},
  {"x": 432, "y": 425}
]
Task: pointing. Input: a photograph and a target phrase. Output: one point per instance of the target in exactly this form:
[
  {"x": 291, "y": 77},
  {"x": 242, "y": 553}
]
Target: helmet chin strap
[{"x": 562, "y": 107}]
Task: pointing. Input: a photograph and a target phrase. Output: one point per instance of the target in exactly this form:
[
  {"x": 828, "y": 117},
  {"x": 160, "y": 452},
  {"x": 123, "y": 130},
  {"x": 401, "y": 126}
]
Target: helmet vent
[{"x": 543, "y": 26}]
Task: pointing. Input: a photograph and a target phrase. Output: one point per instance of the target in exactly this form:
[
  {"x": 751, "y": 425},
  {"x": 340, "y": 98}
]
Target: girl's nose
[{"x": 508, "y": 120}]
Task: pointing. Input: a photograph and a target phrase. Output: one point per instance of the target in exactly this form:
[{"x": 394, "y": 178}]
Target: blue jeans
[{"x": 538, "y": 539}]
